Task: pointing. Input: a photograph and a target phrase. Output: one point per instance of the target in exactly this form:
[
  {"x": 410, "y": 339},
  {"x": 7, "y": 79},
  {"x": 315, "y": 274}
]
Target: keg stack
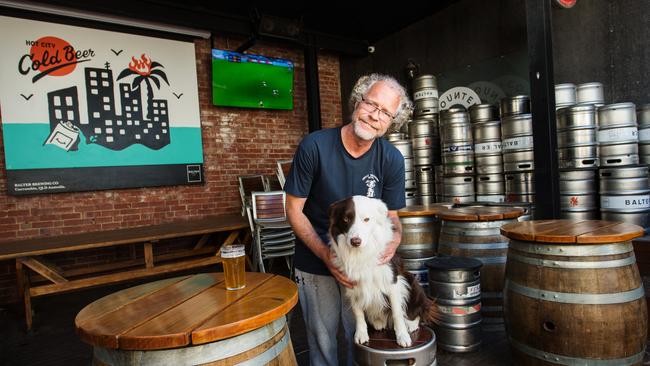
[
  {"x": 643, "y": 121},
  {"x": 623, "y": 183},
  {"x": 517, "y": 147},
  {"x": 398, "y": 140},
  {"x": 457, "y": 156},
  {"x": 577, "y": 155},
  {"x": 488, "y": 161},
  {"x": 424, "y": 136}
]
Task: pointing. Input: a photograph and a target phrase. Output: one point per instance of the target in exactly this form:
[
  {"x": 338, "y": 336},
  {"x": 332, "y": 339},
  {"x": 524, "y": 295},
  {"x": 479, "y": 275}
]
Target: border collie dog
[{"x": 386, "y": 295}]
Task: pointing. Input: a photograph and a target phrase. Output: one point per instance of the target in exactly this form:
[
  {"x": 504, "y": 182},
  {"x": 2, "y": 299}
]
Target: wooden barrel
[
  {"x": 573, "y": 294},
  {"x": 420, "y": 231},
  {"x": 268, "y": 345},
  {"x": 474, "y": 232}
]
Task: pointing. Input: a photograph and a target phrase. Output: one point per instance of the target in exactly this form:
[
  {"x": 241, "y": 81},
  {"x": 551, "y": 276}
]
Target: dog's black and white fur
[{"x": 385, "y": 294}]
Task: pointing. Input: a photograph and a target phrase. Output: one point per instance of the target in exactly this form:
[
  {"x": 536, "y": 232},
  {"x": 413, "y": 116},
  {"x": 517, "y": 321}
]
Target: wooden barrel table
[
  {"x": 474, "y": 232},
  {"x": 573, "y": 294},
  {"x": 192, "y": 320},
  {"x": 420, "y": 231}
]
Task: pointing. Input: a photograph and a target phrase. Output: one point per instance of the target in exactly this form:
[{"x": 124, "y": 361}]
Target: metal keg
[
  {"x": 643, "y": 121},
  {"x": 625, "y": 194},
  {"x": 590, "y": 93},
  {"x": 417, "y": 267},
  {"x": 490, "y": 188},
  {"x": 520, "y": 187},
  {"x": 618, "y": 135},
  {"x": 395, "y": 136},
  {"x": 487, "y": 147},
  {"x": 425, "y": 95},
  {"x": 455, "y": 284},
  {"x": 483, "y": 113},
  {"x": 419, "y": 237},
  {"x": 513, "y": 106},
  {"x": 577, "y": 137},
  {"x": 458, "y": 189},
  {"x": 423, "y": 127},
  {"x": 404, "y": 147},
  {"x": 379, "y": 351},
  {"x": 517, "y": 135},
  {"x": 410, "y": 197},
  {"x": 456, "y": 140},
  {"x": 565, "y": 95},
  {"x": 579, "y": 195},
  {"x": 424, "y": 175},
  {"x": 423, "y": 133},
  {"x": 439, "y": 174}
]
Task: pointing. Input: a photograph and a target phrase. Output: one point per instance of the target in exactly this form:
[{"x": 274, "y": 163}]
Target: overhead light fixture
[{"x": 104, "y": 18}]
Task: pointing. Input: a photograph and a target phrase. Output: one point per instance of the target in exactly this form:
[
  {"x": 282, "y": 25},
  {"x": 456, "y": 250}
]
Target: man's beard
[{"x": 363, "y": 133}]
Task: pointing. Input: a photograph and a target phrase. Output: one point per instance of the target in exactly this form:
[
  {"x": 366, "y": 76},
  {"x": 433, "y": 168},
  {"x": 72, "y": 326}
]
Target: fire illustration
[
  {"x": 145, "y": 71},
  {"x": 141, "y": 66}
]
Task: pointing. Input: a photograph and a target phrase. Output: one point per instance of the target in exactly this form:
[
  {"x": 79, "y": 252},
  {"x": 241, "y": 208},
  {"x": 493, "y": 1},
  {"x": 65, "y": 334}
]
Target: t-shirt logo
[{"x": 371, "y": 182}]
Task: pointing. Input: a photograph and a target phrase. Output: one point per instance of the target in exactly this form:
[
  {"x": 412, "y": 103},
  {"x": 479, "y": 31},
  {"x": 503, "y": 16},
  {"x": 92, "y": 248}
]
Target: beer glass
[{"x": 233, "y": 259}]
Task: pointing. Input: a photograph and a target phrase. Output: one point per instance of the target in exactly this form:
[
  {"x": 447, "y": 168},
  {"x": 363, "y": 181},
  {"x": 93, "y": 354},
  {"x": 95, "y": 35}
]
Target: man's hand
[{"x": 329, "y": 258}]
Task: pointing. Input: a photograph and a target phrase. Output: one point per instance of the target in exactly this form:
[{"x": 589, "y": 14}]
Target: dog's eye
[
  {"x": 345, "y": 219},
  {"x": 366, "y": 219}
]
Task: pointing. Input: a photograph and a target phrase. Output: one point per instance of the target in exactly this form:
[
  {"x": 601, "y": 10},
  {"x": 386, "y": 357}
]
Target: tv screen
[{"x": 251, "y": 81}]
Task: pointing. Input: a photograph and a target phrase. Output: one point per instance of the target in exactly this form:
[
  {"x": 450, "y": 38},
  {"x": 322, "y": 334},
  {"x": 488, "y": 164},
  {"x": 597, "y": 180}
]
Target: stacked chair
[
  {"x": 283, "y": 167},
  {"x": 247, "y": 185},
  {"x": 272, "y": 234}
]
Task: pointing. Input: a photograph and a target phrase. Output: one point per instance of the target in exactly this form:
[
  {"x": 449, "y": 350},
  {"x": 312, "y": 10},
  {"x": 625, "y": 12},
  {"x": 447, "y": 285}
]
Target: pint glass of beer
[{"x": 233, "y": 266}]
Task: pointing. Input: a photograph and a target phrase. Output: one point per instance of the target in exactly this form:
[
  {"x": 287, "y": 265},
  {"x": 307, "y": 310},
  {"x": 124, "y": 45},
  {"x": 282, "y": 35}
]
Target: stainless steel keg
[
  {"x": 517, "y": 135},
  {"x": 625, "y": 194},
  {"x": 487, "y": 147},
  {"x": 578, "y": 194},
  {"x": 458, "y": 189},
  {"x": 490, "y": 188},
  {"x": 378, "y": 351},
  {"x": 410, "y": 197},
  {"x": 394, "y": 136},
  {"x": 456, "y": 140},
  {"x": 455, "y": 283},
  {"x": 565, "y": 95},
  {"x": 425, "y": 95},
  {"x": 404, "y": 147},
  {"x": 590, "y": 93},
  {"x": 483, "y": 113},
  {"x": 643, "y": 121},
  {"x": 618, "y": 135},
  {"x": 519, "y": 104},
  {"x": 577, "y": 137},
  {"x": 520, "y": 187},
  {"x": 439, "y": 174}
]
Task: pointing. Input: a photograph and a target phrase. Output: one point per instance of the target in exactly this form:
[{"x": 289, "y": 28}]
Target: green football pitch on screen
[{"x": 251, "y": 85}]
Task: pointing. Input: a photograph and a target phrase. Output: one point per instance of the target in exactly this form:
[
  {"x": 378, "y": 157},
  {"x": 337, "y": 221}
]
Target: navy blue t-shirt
[{"x": 324, "y": 172}]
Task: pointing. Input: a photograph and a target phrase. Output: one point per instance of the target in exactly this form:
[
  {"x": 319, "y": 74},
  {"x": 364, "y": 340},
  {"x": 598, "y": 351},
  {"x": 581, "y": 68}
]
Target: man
[{"x": 330, "y": 165}]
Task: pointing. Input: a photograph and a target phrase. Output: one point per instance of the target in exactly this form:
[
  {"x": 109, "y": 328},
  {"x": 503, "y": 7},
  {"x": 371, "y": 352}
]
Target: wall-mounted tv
[{"x": 251, "y": 81}]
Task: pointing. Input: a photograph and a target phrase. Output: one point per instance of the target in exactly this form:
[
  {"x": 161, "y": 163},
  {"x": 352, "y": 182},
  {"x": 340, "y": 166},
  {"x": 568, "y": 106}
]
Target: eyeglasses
[{"x": 371, "y": 108}]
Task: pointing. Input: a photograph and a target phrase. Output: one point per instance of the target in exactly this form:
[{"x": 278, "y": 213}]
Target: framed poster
[{"x": 87, "y": 109}]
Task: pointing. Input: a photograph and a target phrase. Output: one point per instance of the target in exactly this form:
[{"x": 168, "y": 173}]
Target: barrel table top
[
  {"x": 423, "y": 210},
  {"x": 183, "y": 311},
  {"x": 572, "y": 231},
  {"x": 480, "y": 213}
]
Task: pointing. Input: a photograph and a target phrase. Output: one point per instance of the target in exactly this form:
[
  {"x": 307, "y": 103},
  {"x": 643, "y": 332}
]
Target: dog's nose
[{"x": 356, "y": 241}]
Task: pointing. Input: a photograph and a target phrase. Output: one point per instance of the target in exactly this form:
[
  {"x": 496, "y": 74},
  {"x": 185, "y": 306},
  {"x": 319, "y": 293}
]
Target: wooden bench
[{"x": 29, "y": 253}]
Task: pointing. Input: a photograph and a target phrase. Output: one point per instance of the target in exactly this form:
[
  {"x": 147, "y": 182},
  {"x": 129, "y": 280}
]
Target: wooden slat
[
  {"x": 104, "y": 330},
  {"x": 23, "y": 292},
  {"x": 480, "y": 213},
  {"x": 118, "y": 299},
  {"x": 202, "y": 241},
  {"x": 173, "y": 327},
  {"x": 422, "y": 210},
  {"x": 148, "y": 255},
  {"x": 43, "y": 269},
  {"x": 65, "y": 243},
  {"x": 527, "y": 230},
  {"x": 122, "y": 276},
  {"x": 268, "y": 302},
  {"x": 569, "y": 233},
  {"x": 612, "y": 234}
]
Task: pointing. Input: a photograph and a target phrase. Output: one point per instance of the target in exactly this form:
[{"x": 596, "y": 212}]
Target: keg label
[
  {"x": 618, "y": 134},
  {"x": 644, "y": 135},
  {"x": 471, "y": 292},
  {"x": 425, "y": 94},
  {"x": 625, "y": 202},
  {"x": 457, "y": 148},
  {"x": 487, "y": 147},
  {"x": 460, "y": 310},
  {"x": 515, "y": 143}
]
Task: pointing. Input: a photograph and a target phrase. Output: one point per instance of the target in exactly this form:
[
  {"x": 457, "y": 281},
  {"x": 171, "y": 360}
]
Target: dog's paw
[
  {"x": 403, "y": 339},
  {"x": 361, "y": 336}
]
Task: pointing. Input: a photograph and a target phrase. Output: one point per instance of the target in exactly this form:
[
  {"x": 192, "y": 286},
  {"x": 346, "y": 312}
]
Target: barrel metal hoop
[
  {"x": 469, "y": 232},
  {"x": 572, "y": 361},
  {"x": 575, "y": 298},
  {"x": 572, "y": 250},
  {"x": 408, "y": 246},
  {"x": 493, "y": 260},
  {"x": 476, "y": 224},
  {"x": 418, "y": 230},
  {"x": 502, "y": 245},
  {"x": 203, "y": 353},
  {"x": 574, "y": 265},
  {"x": 418, "y": 220}
]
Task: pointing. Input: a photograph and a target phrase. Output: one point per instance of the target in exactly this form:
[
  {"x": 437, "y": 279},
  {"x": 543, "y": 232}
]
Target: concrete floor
[{"x": 54, "y": 342}]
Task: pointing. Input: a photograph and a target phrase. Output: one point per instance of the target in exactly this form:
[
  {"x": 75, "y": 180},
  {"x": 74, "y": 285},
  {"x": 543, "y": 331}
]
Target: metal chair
[
  {"x": 273, "y": 183},
  {"x": 283, "y": 167},
  {"x": 247, "y": 185},
  {"x": 272, "y": 233}
]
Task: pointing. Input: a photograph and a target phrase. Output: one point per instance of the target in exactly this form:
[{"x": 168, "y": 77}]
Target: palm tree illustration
[{"x": 145, "y": 70}]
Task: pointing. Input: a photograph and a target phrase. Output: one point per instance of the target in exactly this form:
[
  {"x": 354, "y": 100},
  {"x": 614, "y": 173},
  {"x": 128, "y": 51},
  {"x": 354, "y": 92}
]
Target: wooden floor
[{"x": 54, "y": 342}]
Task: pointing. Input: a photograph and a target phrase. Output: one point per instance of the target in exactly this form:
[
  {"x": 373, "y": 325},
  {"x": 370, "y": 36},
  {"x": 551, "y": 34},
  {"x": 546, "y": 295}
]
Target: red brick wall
[{"x": 235, "y": 142}]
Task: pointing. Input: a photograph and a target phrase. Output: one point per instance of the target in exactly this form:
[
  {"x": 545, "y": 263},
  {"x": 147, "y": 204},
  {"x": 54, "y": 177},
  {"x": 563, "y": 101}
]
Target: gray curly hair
[{"x": 366, "y": 82}]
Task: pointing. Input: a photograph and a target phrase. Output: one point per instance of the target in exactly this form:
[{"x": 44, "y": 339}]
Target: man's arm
[
  {"x": 397, "y": 238},
  {"x": 303, "y": 228}
]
